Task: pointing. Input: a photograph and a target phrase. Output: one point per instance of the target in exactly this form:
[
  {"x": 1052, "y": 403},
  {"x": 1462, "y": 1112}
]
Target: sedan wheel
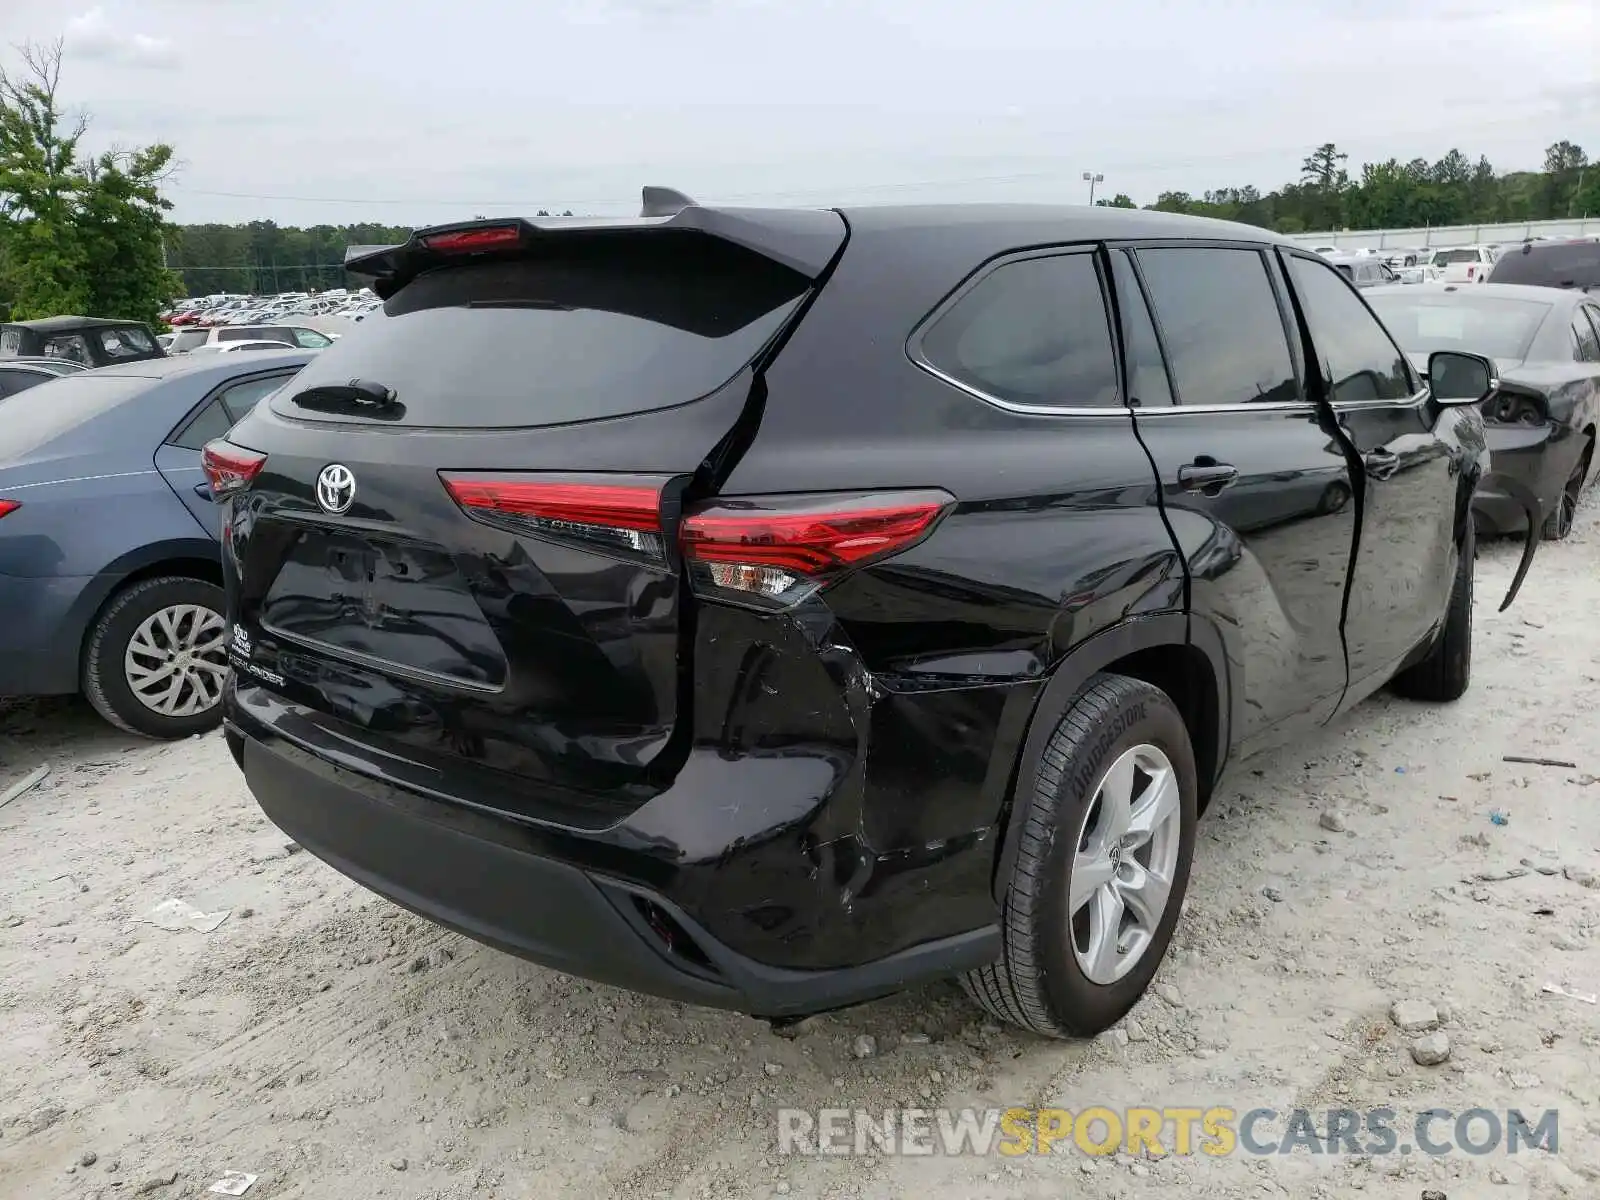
[
  {"x": 156, "y": 659},
  {"x": 175, "y": 661},
  {"x": 1559, "y": 523}
]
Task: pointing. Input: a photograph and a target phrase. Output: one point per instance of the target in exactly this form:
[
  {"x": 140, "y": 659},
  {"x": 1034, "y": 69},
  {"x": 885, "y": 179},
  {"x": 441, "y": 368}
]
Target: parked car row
[
  {"x": 197, "y": 337},
  {"x": 211, "y": 311},
  {"x": 1542, "y": 260}
]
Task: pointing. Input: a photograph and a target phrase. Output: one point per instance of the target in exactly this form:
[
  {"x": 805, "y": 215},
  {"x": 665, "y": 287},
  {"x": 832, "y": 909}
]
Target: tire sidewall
[
  {"x": 105, "y": 677},
  {"x": 1148, "y": 717}
]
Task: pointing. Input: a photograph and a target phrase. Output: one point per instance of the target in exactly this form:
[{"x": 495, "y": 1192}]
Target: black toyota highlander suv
[{"x": 771, "y": 609}]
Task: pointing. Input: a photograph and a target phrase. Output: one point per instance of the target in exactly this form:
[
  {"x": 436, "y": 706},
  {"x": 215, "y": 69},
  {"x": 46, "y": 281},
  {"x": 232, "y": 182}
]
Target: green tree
[
  {"x": 1565, "y": 165},
  {"x": 1120, "y": 200},
  {"x": 1326, "y": 179},
  {"x": 42, "y": 273},
  {"x": 77, "y": 235}
]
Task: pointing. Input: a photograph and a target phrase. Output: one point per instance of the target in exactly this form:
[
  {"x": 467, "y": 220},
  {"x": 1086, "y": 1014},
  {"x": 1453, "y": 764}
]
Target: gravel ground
[{"x": 334, "y": 1045}]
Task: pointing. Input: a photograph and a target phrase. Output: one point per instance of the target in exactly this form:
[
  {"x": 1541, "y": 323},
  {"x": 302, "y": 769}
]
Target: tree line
[
  {"x": 1454, "y": 190},
  {"x": 90, "y": 234}
]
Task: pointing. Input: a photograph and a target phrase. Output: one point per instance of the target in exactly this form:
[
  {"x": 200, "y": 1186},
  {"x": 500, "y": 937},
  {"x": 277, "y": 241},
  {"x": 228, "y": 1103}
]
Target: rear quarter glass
[{"x": 571, "y": 334}]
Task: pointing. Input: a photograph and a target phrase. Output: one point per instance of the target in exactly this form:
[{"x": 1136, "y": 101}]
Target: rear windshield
[
  {"x": 584, "y": 331},
  {"x": 1445, "y": 257},
  {"x": 1574, "y": 265},
  {"x": 41, "y": 414},
  {"x": 1490, "y": 325}
]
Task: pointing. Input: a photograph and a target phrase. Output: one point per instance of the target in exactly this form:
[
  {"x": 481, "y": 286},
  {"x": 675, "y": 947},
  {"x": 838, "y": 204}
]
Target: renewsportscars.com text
[{"x": 1215, "y": 1132}]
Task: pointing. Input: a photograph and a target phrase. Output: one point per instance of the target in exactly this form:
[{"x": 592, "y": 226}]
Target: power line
[{"x": 1063, "y": 172}]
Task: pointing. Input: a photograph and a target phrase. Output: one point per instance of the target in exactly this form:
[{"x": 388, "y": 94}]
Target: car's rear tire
[
  {"x": 1447, "y": 670},
  {"x": 1558, "y": 525},
  {"x": 156, "y": 658},
  {"x": 1060, "y": 975}
]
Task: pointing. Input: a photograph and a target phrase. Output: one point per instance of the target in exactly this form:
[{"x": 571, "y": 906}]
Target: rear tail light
[
  {"x": 230, "y": 468},
  {"x": 776, "y": 551},
  {"x": 1471, "y": 271},
  {"x": 608, "y": 512},
  {"x": 7, "y": 507},
  {"x": 769, "y": 551},
  {"x": 468, "y": 241}
]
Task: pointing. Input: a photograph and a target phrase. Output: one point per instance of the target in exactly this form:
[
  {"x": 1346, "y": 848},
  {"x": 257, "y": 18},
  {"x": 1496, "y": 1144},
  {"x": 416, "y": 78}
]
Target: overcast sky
[{"x": 415, "y": 111}]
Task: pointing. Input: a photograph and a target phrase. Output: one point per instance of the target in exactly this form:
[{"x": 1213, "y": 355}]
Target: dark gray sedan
[
  {"x": 1541, "y": 422},
  {"x": 110, "y": 577}
]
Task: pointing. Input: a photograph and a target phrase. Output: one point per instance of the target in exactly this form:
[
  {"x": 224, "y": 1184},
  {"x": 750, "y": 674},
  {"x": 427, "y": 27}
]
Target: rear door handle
[
  {"x": 1381, "y": 464},
  {"x": 1207, "y": 476}
]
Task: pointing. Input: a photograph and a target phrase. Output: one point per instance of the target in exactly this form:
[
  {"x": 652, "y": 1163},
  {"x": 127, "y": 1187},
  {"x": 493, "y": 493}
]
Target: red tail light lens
[
  {"x": 466, "y": 241},
  {"x": 615, "y": 513},
  {"x": 779, "y": 550},
  {"x": 230, "y": 468},
  {"x": 7, "y": 507}
]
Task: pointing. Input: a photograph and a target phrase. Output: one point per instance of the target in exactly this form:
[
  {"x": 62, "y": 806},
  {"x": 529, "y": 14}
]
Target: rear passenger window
[
  {"x": 1357, "y": 355},
  {"x": 1147, "y": 373},
  {"x": 1221, "y": 325},
  {"x": 1032, "y": 332}
]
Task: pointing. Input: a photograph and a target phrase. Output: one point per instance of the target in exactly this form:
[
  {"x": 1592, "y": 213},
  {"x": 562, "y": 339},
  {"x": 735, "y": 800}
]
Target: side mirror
[{"x": 1461, "y": 379}]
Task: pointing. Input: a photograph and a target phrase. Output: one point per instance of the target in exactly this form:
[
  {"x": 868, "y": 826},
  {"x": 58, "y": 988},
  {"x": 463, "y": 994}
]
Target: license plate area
[{"x": 382, "y": 601}]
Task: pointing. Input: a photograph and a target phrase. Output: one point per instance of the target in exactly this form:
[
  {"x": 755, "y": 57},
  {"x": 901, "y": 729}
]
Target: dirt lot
[{"x": 335, "y": 1046}]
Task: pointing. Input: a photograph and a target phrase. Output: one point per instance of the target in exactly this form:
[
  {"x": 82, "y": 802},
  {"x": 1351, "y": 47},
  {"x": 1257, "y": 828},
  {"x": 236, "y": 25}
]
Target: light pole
[{"x": 1092, "y": 178}]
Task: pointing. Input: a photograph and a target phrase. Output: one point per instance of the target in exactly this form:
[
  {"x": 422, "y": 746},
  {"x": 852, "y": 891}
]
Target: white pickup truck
[{"x": 1465, "y": 264}]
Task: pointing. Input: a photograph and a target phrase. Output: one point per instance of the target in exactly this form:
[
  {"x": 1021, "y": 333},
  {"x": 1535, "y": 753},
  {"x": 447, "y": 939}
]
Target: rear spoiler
[{"x": 804, "y": 240}]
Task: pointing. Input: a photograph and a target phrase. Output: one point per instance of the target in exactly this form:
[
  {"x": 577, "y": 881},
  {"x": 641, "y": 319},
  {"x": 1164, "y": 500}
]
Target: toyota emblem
[{"x": 336, "y": 488}]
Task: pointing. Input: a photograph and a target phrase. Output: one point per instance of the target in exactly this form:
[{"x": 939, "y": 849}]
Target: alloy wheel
[
  {"x": 176, "y": 660},
  {"x": 1122, "y": 872}
]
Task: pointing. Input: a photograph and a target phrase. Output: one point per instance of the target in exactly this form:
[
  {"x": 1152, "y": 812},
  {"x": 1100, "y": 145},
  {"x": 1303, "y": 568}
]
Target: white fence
[{"x": 1449, "y": 235}]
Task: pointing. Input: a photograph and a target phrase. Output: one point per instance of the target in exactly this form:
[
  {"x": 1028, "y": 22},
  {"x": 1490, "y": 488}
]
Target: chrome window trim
[{"x": 1121, "y": 409}]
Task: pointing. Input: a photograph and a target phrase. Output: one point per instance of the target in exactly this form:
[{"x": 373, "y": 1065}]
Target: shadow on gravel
[{"x": 62, "y": 732}]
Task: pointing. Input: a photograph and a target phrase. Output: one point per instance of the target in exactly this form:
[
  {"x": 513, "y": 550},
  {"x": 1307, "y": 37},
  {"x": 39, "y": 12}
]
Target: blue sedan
[{"x": 110, "y": 575}]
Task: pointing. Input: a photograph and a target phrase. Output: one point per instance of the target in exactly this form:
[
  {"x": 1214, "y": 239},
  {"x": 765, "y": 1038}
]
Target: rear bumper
[
  {"x": 747, "y": 885},
  {"x": 1528, "y": 456}
]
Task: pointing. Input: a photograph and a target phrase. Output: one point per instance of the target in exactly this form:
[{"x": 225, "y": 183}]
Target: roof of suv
[
  {"x": 806, "y": 239},
  {"x": 71, "y": 324},
  {"x": 1077, "y": 222}
]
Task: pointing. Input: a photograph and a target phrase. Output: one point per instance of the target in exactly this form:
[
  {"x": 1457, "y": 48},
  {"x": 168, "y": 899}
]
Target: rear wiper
[{"x": 362, "y": 396}]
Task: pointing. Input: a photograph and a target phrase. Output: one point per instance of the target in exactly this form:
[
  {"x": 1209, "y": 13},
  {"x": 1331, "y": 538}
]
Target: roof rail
[{"x": 664, "y": 202}]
